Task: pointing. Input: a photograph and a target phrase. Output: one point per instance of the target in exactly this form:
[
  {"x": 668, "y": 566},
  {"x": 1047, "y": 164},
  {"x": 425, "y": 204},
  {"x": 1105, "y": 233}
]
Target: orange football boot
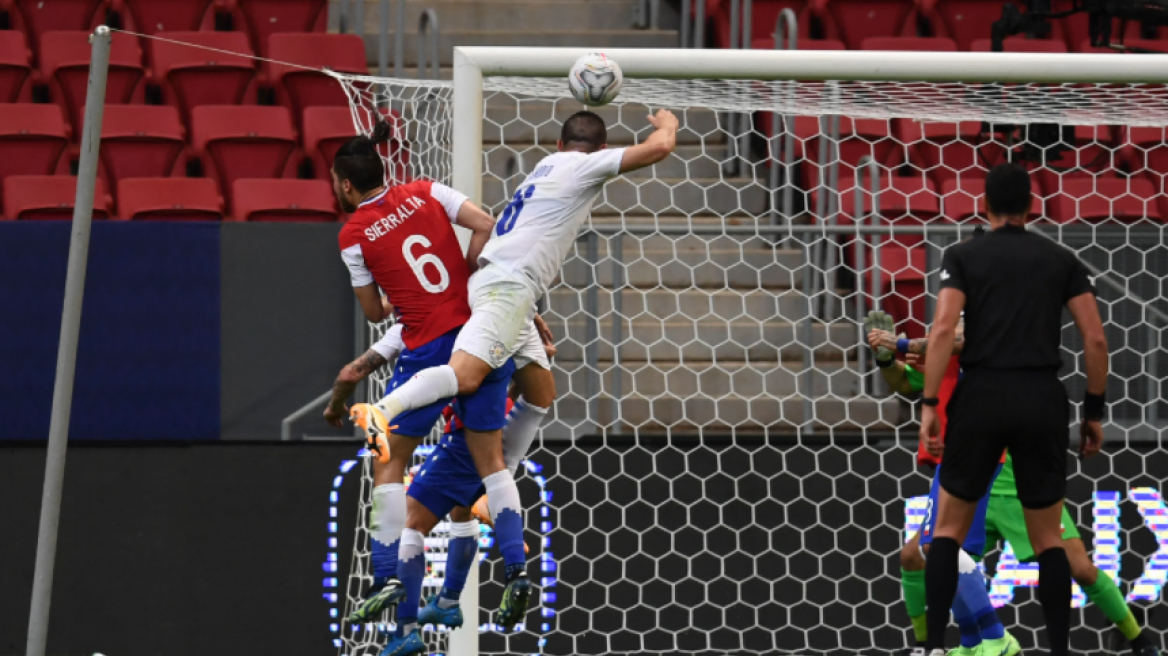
[{"x": 370, "y": 419}]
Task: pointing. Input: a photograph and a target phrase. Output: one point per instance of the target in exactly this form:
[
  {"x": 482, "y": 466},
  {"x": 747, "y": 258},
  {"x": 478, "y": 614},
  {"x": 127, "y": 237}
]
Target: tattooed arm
[
  {"x": 920, "y": 345},
  {"x": 347, "y": 381}
]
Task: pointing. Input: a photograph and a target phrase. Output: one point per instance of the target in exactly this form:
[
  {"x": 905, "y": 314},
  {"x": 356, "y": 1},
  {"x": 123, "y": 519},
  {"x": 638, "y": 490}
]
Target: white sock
[
  {"x": 501, "y": 493},
  {"x": 412, "y": 544},
  {"x": 389, "y": 512},
  {"x": 426, "y": 387},
  {"x": 965, "y": 564},
  {"x": 519, "y": 433}
]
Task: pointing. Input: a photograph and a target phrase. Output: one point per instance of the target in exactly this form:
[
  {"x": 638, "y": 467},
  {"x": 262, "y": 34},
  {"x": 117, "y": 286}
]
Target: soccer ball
[{"x": 595, "y": 79}]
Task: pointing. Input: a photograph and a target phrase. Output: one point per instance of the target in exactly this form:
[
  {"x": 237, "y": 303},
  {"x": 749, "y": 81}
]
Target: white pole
[
  {"x": 42, "y": 582},
  {"x": 467, "y": 176}
]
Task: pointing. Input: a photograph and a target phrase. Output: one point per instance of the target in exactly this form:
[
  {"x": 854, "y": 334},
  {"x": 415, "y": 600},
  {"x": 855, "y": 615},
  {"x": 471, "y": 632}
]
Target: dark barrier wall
[
  {"x": 182, "y": 551},
  {"x": 190, "y": 331}
]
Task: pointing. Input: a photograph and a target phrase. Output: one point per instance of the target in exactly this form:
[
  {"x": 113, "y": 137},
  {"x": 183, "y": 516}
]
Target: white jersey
[{"x": 537, "y": 229}]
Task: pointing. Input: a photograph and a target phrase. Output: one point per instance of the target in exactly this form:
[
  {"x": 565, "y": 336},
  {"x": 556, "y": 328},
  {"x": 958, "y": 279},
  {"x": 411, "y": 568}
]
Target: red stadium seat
[
  {"x": 903, "y": 269},
  {"x": 764, "y": 16},
  {"x": 140, "y": 141},
  {"x": 1088, "y": 151},
  {"x": 1094, "y": 200},
  {"x": 1021, "y": 44},
  {"x": 65, "y": 63},
  {"x": 326, "y": 129},
  {"x": 949, "y": 150},
  {"x": 902, "y": 200},
  {"x": 304, "y": 201},
  {"x": 191, "y": 77},
  {"x": 910, "y": 43},
  {"x": 153, "y": 16},
  {"x": 265, "y": 18},
  {"x": 963, "y": 199},
  {"x": 14, "y": 65},
  {"x": 1137, "y": 44},
  {"x": 964, "y": 21},
  {"x": 852, "y": 21},
  {"x": 802, "y": 44},
  {"x": 171, "y": 199},
  {"x": 242, "y": 142},
  {"x": 297, "y": 88},
  {"x": 857, "y": 138},
  {"x": 32, "y": 139},
  {"x": 48, "y": 197},
  {"x": 36, "y": 17},
  {"x": 1075, "y": 30}
]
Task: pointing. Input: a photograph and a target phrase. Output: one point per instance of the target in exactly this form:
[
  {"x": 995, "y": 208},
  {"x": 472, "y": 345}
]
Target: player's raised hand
[
  {"x": 336, "y": 416},
  {"x": 664, "y": 120},
  {"x": 1090, "y": 437},
  {"x": 931, "y": 431}
]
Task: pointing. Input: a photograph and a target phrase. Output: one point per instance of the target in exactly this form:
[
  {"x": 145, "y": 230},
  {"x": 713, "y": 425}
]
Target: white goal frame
[{"x": 473, "y": 64}]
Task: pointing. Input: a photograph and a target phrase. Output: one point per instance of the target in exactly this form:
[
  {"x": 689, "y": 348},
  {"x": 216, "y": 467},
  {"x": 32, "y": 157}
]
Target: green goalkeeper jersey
[{"x": 1004, "y": 483}]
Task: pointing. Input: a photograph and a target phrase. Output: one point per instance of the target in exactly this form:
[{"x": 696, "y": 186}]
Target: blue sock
[
  {"x": 971, "y": 592},
  {"x": 503, "y": 501},
  {"x": 411, "y": 569},
  {"x": 967, "y": 622},
  {"x": 460, "y": 557},
  {"x": 384, "y": 559}
]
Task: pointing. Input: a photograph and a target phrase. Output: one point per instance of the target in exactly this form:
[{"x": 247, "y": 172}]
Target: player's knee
[
  {"x": 542, "y": 394},
  {"x": 910, "y": 557},
  {"x": 460, "y": 514}
]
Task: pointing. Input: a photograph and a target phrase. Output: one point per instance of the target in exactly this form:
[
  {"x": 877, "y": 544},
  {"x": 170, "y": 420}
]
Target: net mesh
[{"x": 723, "y": 470}]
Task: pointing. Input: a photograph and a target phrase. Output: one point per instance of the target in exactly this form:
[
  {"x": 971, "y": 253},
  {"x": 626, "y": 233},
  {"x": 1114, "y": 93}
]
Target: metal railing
[
  {"x": 693, "y": 33},
  {"x": 428, "y": 39},
  {"x": 738, "y": 124},
  {"x": 783, "y": 139},
  {"x": 647, "y": 15}
]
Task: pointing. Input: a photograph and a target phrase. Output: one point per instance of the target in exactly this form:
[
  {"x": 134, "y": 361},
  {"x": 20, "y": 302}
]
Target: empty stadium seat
[
  {"x": 949, "y": 150},
  {"x": 910, "y": 43},
  {"x": 1021, "y": 44},
  {"x": 964, "y": 21},
  {"x": 1088, "y": 152},
  {"x": 14, "y": 65},
  {"x": 297, "y": 88},
  {"x": 1137, "y": 45},
  {"x": 912, "y": 199},
  {"x": 140, "y": 141},
  {"x": 963, "y": 199},
  {"x": 242, "y": 142},
  {"x": 171, "y": 199},
  {"x": 264, "y": 18},
  {"x": 48, "y": 197},
  {"x": 35, "y": 17},
  {"x": 764, "y": 17},
  {"x": 326, "y": 129},
  {"x": 1074, "y": 29},
  {"x": 153, "y": 16},
  {"x": 852, "y": 21},
  {"x": 857, "y": 138},
  {"x": 305, "y": 201},
  {"x": 1104, "y": 198},
  {"x": 32, "y": 139},
  {"x": 191, "y": 77},
  {"x": 903, "y": 271},
  {"x": 65, "y": 63}
]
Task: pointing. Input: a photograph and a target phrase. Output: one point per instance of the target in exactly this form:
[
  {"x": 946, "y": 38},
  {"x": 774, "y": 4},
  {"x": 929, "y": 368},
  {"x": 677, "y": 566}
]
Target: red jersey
[
  {"x": 403, "y": 239},
  {"x": 948, "y": 383}
]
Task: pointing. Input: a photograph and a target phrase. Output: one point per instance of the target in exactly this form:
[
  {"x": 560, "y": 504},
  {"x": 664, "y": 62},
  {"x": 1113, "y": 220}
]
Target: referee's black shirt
[{"x": 1016, "y": 285}]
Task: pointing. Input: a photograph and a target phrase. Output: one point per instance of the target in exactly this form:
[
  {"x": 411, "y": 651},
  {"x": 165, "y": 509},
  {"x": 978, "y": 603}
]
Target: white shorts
[
  {"x": 531, "y": 349},
  {"x": 501, "y": 309}
]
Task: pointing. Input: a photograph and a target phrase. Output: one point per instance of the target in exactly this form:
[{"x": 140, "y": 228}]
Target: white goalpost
[{"x": 723, "y": 470}]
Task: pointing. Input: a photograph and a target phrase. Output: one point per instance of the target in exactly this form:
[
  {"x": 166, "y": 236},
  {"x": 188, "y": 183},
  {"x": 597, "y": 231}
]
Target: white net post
[{"x": 741, "y": 480}]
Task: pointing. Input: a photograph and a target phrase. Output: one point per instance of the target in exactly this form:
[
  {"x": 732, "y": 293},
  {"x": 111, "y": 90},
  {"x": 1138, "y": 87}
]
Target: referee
[{"x": 1012, "y": 286}]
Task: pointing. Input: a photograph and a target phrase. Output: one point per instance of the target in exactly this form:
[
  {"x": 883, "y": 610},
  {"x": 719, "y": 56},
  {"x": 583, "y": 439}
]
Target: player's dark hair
[
  {"x": 358, "y": 161},
  {"x": 1008, "y": 190},
  {"x": 585, "y": 129}
]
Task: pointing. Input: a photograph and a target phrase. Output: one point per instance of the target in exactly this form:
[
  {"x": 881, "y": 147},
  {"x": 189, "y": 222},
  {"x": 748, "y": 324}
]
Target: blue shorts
[
  {"x": 975, "y": 540},
  {"x": 448, "y": 478},
  {"x": 485, "y": 409}
]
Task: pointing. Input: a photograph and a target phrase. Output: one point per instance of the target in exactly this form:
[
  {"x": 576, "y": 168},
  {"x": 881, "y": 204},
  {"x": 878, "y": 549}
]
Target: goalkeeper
[
  {"x": 981, "y": 630},
  {"x": 1003, "y": 519}
]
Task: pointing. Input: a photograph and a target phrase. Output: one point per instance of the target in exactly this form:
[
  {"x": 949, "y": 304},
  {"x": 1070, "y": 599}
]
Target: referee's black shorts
[{"x": 1023, "y": 410}]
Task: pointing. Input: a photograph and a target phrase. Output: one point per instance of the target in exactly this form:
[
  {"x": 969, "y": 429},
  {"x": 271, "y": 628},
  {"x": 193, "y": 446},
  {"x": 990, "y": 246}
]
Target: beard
[{"x": 346, "y": 206}]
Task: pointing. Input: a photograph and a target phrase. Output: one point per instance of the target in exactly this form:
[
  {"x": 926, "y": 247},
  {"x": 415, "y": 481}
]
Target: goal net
[{"x": 724, "y": 471}]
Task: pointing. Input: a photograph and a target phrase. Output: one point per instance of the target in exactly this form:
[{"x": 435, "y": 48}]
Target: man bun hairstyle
[
  {"x": 584, "y": 130},
  {"x": 358, "y": 161},
  {"x": 1008, "y": 190}
]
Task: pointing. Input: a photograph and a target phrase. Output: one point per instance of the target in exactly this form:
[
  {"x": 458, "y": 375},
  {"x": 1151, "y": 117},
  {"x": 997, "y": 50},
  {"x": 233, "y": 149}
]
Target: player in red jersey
[{"x": 400, "y": 241}]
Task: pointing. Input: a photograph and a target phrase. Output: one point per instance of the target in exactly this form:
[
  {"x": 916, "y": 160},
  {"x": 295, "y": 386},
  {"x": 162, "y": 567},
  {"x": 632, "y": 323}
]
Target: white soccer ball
[{"x": 595, "y": 79}]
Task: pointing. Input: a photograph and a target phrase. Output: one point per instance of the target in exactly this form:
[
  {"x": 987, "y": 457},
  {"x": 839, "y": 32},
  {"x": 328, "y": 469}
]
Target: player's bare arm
[
  {"x": 919, "y": 345},
  {"x": 473, "y": 218},
  {"x": 950, "y": 302},
  {"x": 657, "y": 147},
  {"x": 351, "y": 375},
  {"x": 1085, "y": 312},
  {"x": 376, "y": 307}
]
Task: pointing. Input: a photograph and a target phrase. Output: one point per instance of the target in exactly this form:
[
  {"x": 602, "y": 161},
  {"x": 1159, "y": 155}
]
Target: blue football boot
[
  {"x": 432, "y": 614},
  {"x": 410, "y": 643}
]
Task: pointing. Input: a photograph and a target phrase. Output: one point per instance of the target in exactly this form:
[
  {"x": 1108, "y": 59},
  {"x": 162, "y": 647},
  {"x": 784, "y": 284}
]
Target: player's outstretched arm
[
  {"x": 1085, "y": 311},
  {"x": 347, "y": 381},
  {"x": 657, "y": 147},
  {"x": 473, "y": 218}
]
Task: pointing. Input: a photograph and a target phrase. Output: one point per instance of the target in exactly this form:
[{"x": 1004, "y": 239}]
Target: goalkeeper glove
[{"x": 879, "y": 320}]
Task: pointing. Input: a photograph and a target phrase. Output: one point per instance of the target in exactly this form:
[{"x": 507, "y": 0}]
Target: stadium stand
[
  {"x": 297, "y": 88},
  {"x": 170, "y": 199},
  {"x": 764, "y": 15},
  {"x": 961, "y": 200},
  {"x": 327, "y": 128},
  {"x": 48, "y": 197},
  {"x": 264, "y": 18},
  {"x": 140, "y": 141},
  {"x": 962, "y": 20},
  {"x": 303, "y": 201},
  {"x": 32, "y": 139},
  {"x": 190, "y": 77},
  {"x": 910, "y": 43},
  {"x": 65, "y": 65},
  {"x": 858, "y": 138},
  {"x": 152, "y": 17},
  {"x": 36, "y": 17},
  {"x": 852, "y": 21},
  {"x": 236, "y": 142},
  {"x": 1021, "y": 44},
  {"x": 1103, "y": 198},
  {"x": 14, "y": 65},
  {"x": 949, "y": 150}
]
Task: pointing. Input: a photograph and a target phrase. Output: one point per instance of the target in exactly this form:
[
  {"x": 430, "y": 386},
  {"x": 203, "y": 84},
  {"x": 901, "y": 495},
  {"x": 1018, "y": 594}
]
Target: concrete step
[
  {"x": 711, "y": 269},
  {"x": 688, "y": 161},
  {"x": 573, "y": 416},
  {"x": 644, "y": 339},
  {"x": 576, "y": 36},
  {"x": 684, "y": 305},
  {"x": 733, "y": 196},
  {"x": 499, "y": 15},
  {"x": 538, "y": 122}
]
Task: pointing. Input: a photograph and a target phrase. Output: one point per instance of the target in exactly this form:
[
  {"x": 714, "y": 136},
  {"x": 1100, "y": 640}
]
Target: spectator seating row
[
  {"x": 28, "y": 197},
  {"x": 850, "y": 22},
  {"x": 232, "y": 142},
  {"x": 190, "y": 71},
  {"x": 257, "y": 20}
]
